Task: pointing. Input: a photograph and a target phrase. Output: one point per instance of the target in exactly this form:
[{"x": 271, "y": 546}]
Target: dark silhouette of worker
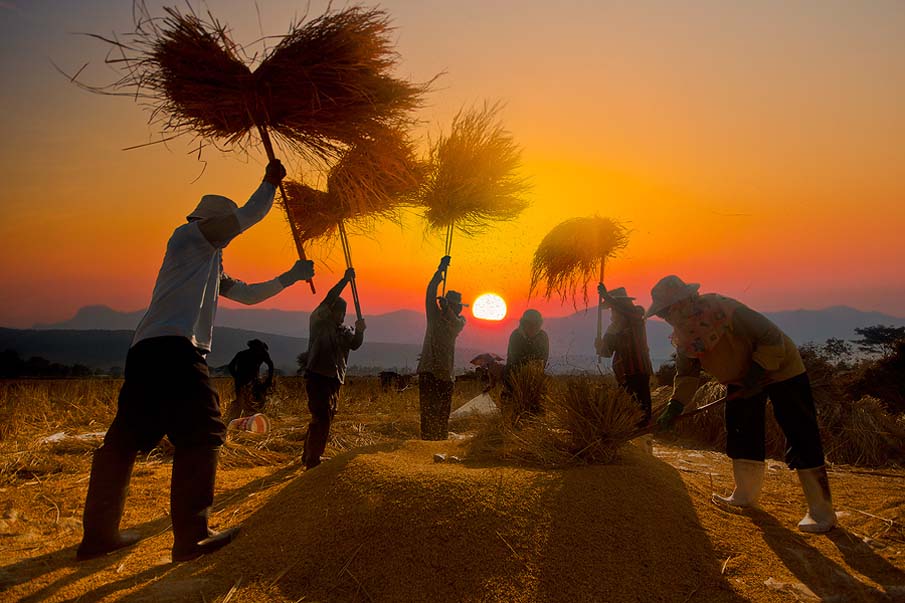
[
  {"x": 251, "y": 390},
  {"x": 167, "y": 388}
]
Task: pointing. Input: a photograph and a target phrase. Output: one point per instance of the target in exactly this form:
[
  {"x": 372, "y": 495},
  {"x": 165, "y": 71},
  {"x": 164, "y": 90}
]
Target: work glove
[
  {"x": 444, "y": 263},
  {"x": 360, "y": 326},
  {"x": 668, "y": 416},
  {"x": 753, "y": 382},
  {"x": 601, "y": 289},
  {"x": 302, "y": 270},
  {"x": 274, "y": 173},
  {"x": 350, "y": 274}
]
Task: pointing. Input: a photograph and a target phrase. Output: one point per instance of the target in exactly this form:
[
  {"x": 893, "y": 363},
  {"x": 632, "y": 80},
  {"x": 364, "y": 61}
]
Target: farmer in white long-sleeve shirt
[{"x": 167, "y": 388}]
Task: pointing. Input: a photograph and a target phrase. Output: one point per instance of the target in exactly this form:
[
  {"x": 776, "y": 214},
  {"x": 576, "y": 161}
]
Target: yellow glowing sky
[{"x": 756, "y": 148}]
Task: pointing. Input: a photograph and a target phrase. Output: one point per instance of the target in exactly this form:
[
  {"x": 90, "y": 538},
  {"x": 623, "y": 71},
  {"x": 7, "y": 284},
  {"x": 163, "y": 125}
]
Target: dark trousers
[
  {"x": 435, "y": 397},
  {"x": 638, "y": 386},
  {"x": 167, "y": 391},
  {"x": 793, "y": 407},
  {"x": 323, "y": 394}
]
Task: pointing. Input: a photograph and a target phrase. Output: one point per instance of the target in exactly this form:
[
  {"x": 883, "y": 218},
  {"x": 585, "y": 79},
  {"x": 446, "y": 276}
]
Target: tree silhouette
[{"x": 879, "y": 339}]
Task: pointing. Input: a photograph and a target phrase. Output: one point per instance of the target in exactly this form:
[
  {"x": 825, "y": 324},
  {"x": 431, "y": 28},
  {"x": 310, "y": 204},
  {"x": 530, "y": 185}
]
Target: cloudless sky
[{"x": 755, "y": 148}]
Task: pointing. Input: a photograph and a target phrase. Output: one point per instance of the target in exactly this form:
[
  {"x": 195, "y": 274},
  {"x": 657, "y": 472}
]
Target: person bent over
[
  {"x": 251, "y": 391},
  {"x": 749, "y": 354}
]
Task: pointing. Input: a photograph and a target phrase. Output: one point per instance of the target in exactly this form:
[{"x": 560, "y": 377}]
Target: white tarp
[{"x": 481, "y": 404}]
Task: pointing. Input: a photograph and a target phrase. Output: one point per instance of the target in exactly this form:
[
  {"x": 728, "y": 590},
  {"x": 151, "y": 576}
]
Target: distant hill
[
  {"x": 101, "y": 349},
  {"x": 571, "y": 337}
]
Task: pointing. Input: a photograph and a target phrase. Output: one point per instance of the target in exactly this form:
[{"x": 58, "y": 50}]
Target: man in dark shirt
[
  {"x": 625, "y": 341},
  {"x": 329, "y": 342},
  {"x": 245, "y": 368},
  {"x": 527, "y": 344}
]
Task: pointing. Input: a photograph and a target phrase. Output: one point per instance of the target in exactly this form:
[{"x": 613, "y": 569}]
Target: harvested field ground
[{"x": 380, "y": 521}]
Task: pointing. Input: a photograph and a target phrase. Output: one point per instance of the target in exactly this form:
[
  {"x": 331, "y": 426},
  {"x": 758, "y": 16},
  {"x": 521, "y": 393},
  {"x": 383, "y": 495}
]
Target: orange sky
[{"x": 754, "y": 148}]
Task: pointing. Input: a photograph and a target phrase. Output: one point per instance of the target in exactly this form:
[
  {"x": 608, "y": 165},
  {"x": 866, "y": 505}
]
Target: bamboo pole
[
  {"x": 268, "y": 147},
  {"x": 347, "y": 252},
  {"x": 600, "y": 308}
]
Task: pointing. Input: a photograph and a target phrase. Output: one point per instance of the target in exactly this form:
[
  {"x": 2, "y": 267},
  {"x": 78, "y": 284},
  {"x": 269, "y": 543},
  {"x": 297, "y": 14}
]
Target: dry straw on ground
[
  {"x": 473, "y": 174},
  {"x": 326, "y": 84},
  {"x": 573, "y": 254},
  {"x": 585, "y": 420}
]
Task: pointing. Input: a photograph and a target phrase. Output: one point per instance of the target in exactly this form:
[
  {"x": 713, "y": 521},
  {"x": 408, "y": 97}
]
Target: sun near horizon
[{"x": 490, "y": 307}]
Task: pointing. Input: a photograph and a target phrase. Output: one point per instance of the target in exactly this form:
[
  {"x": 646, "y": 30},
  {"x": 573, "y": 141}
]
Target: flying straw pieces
[
  {"x": 473, "y": 176},
  {"x": 573, "y": 254},
  {"x": 326, "y": 85}
]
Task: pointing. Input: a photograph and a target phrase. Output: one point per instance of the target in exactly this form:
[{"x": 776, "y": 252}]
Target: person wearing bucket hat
[
  {"x": 528, "y": 345},
  {"x": 437, "y": 361},
  {"x": 742, "y": 349},
  {"x": 167, "y": 388},
  {"x": 625, "y": 341},
  {"x": 251, "y": 391},
  {"x": 329, "y": 343}
]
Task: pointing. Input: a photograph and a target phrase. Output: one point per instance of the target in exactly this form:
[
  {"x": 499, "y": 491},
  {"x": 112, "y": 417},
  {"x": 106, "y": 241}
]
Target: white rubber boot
[
  {"x": 820, "y": 517},
  {"x": 749, "y": 479}
]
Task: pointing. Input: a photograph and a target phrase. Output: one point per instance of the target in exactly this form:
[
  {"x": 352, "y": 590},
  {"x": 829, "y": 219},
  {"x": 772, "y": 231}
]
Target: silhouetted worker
[
  {"x": 167, "y": 388},
  {"x": 749, "y": 354},
  {"x": 437, "y": 362},
  {"x": 527, "y": 344},
  {"x": 625, "y": 341},
  {"x": 329, "y": 342},
  {"x": 251, "y": 391}
]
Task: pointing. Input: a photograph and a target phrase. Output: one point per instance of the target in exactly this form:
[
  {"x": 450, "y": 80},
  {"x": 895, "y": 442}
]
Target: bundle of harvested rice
[
  {"x": 573, "y": 254},
  {"x": 527, "y": 393},
  {"x": 473, "y": 175},
  {"x": 325, "y": 85}
]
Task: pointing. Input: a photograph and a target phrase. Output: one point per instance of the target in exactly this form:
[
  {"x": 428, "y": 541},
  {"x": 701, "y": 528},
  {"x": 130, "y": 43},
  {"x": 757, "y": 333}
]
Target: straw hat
[
  {"x": 454, "y": 297},
  {"x": 669, "y": 290},
  {"x": 211, "y": 206},
  {"x": 257, "y": 343}
]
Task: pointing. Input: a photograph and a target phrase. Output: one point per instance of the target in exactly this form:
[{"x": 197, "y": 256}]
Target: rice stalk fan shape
[
  {"x": 327, "y": 83},
  {"x": 572, "y": 254},
  {"x": 473, "y": 174}
]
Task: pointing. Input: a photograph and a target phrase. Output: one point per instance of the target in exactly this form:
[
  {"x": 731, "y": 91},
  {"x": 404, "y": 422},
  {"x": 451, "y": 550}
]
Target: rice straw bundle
[
  {"x": 571, "y": 255},
  {"x": 325, "y": 85},
  {"x": 311, "y": 211},
  {"x": 473, "y": 176},
  {"x": 375, "y": 177}
]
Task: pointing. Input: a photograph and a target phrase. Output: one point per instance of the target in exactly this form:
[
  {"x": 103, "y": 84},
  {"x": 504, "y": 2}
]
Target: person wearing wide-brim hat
[
  {"x": 625, "y": 341},
  {"x": 528, "y": 344},
  {"x": 250, "y": 390},
  {"x": 742, "y": 349},
  {"x": 437, "y": 361}
]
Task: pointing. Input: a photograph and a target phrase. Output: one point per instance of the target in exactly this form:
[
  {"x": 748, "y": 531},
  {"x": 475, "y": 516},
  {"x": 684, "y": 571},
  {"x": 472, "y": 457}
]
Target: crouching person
[
  {"x": 746, "y": 352},
  {"x": 167, "y": 388},
  {"x": 329, "y": 342}
]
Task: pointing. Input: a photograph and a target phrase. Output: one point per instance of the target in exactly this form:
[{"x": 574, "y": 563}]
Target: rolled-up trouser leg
[{"x": 111, "y": 470}]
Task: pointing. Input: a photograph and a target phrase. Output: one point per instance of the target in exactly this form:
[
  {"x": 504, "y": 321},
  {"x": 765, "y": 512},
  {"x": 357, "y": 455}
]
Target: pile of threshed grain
[{"x": 386, "y": 523}]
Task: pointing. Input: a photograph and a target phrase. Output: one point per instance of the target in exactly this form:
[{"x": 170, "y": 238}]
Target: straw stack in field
[
  {"x": 573, "y": 254},
  {"x": 325, "y": 85},
  {"x": 473, "y": 175}
]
